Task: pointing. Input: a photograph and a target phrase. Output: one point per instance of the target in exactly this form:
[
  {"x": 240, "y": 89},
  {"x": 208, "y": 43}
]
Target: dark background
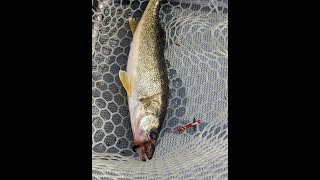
[{"x": 43, "y": 139}]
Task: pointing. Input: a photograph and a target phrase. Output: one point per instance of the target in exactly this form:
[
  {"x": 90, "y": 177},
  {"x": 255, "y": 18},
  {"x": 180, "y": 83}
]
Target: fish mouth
[{"x": 145, "y": 150}]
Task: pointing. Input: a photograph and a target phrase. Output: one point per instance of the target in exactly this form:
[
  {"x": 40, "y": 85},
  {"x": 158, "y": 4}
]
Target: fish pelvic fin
[
  {"x": 126, "y": 82},
  {"x": 133, "y": 23}
]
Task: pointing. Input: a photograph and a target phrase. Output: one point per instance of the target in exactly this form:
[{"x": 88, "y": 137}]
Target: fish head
[
  {"x": 146, "y": 116},
  {"x": 145, "y": 136}
]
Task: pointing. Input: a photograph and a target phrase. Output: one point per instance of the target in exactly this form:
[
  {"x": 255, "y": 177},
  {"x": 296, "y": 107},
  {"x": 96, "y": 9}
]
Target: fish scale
[{"x": 146, "y": 80}]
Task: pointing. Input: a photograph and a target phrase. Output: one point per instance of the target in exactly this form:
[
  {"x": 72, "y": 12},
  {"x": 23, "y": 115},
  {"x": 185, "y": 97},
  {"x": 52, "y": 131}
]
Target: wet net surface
[{"x": 197, "y": 60}]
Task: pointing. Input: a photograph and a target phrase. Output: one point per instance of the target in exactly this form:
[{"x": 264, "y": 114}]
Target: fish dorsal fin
[
  {"x": 126, "y": 81},
  {"x": 133, "y": 23}
]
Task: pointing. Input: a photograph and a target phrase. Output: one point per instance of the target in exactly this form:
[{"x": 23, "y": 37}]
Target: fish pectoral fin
[
  {"x": 143, "y": 98},
  {"x": 133, "y": 23},
  {"x": 125, "y": 81}
]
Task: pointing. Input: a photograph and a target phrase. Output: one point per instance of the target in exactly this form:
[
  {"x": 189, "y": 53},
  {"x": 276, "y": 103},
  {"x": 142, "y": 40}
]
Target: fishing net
[{"x": 196, "y": 55}]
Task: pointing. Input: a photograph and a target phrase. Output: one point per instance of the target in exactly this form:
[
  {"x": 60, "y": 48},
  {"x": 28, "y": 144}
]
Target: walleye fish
[{"x": 146, "y": 80}]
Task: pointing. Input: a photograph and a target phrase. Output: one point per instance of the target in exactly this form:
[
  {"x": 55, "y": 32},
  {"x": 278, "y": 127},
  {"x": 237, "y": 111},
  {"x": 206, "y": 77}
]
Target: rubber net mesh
[{"x": 197, "y": 60}]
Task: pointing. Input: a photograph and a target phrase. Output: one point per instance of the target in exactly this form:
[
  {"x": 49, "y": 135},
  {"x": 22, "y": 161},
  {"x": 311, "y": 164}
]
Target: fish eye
[
  {"x": 134, "y": 147},
  {"x": 154, "y": 135}
]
